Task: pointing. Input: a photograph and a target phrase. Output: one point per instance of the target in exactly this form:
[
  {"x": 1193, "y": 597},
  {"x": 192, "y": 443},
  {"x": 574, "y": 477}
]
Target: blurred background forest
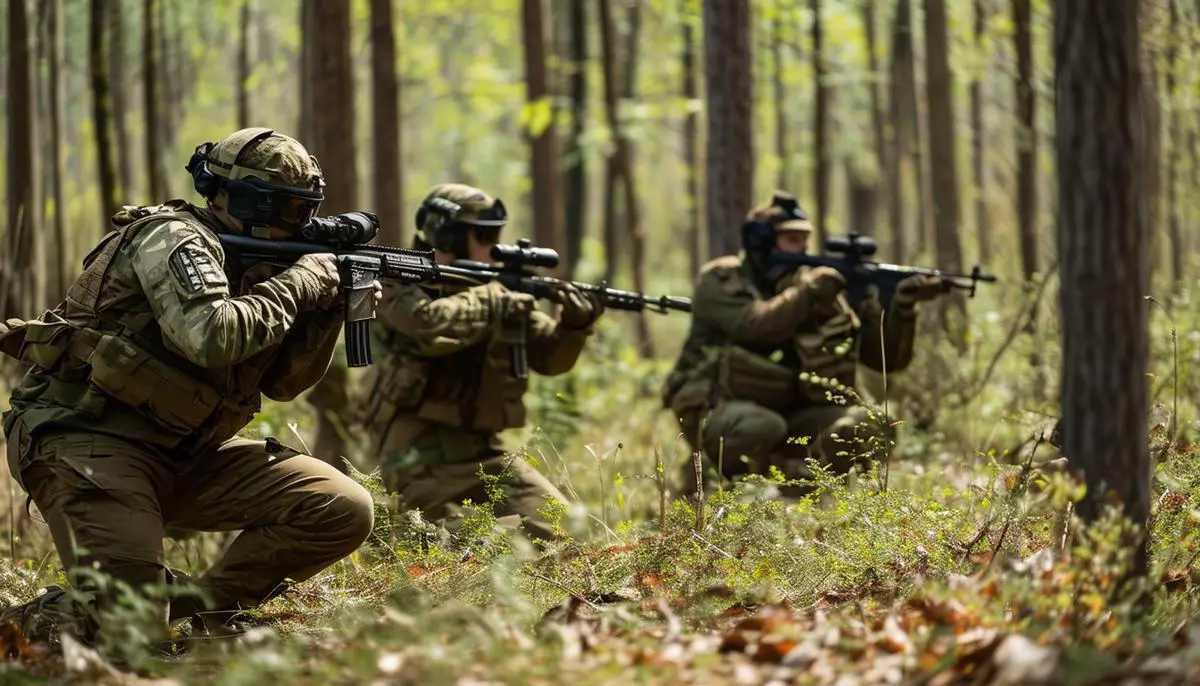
[{"x": 631, "y": 136}]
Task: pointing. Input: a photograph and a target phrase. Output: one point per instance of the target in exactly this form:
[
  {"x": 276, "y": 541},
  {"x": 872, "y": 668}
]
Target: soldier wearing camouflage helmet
[
  {"x": 140, "y": 379},
  {"x": 751, "y": 387},
  {"x": 435, "y": 406}
]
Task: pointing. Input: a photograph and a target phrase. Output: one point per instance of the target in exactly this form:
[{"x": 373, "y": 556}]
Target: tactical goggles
[{"x": 257, "y": 202}]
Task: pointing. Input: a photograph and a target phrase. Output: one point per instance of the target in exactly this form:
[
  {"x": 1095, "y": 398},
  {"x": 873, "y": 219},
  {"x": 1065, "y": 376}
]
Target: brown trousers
[
  {"x": 443, "y": 471},
  {"x": 107, "y": 502},
  {"x": 747, "y": 438}
]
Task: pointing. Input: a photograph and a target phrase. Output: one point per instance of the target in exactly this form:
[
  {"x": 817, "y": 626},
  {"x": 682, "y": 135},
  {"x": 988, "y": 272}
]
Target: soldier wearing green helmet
[
  {"x": 767, "y": 342},
  {"x": 139, "y": 381},
  {"x": 434, "y": 406}
]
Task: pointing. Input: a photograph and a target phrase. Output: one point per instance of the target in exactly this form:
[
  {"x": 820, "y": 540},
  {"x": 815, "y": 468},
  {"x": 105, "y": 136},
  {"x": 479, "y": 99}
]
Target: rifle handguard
[{"x": 358, "y": 275}]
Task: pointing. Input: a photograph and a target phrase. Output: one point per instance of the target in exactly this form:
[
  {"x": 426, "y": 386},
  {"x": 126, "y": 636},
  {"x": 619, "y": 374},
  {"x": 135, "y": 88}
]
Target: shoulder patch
[{"x": 194, "y": 268}]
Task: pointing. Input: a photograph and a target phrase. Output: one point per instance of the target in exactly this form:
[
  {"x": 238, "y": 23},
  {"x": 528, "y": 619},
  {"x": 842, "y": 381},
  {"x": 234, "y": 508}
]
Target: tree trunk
[
  {"x": 24, "y": 284},
  {"x": 781, "y": 101},
  {"x": 691, "y": 143},
  {"x": 821, "y": 166},
  {"x": 308, "y": 33},
  {"x": 152, "y": 93},
  {"x": 1027, "y": 155},
  {"x": 900, "y": 131},
  {"x": 102, "y": 111},
  {"x": 575, "y": 176},
  {"x": 1103, "y": 243},
  {"x": 1176, "y": 140},
  {"x": 385, "y": 121},
  {"x": 881, "y": 156},
  {"x": 65, "y": 262},
  {"x": 729, "y": 181},
  {"x": 622, "y": 161},
  {"x": 942, "y": 157},
  {"x": 907, "y": 67},
  {"x": 543, "y": 167},
  {"x": 243, "y": 67},
  {"x": 333, "y": 144},
  {"x": 116, "y": 78},
  {"x": 982, "y": 229},
  {"x": 176, "y": 71}
]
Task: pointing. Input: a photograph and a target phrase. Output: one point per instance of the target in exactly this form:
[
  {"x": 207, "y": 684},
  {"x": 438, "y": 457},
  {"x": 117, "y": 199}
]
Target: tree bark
[
  {"x": 543, "y": 167},
  {"x": 308, "y": 31},
  {"x": 117, "y": 81},
  {"x": 729, "y": 178},
  {"x": 385, "y": 121},
  {"x": 333, "y": 137},
  {"x": 691, "y": 143},
  {"x": 821, "y": 164},
  {"x": 1027, "y": 153},
  {"x": 982, "y": 228},
  {"x": 575, "y": 176},
  {"x": 1176, "y": 140},
  {"x": 873, "y": 83},
  {"x": 898, "y": 144},
  {"x": 102, "y": 111},
  {"x": 152, "y": 94},
  {"x": 1103, "y": 243},
  {"x": 942, "y": 154},
  {"x": 25, "y": 287},
  {"x": 243, "y": 67},
  {"x": 65, "y": 262},
  {"x": 781, "y": 104}
]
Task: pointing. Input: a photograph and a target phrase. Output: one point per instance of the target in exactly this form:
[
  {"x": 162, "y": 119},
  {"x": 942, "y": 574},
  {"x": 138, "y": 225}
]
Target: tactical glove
[
  {"x": 579, "y": 309},
  {"x": 822, "y": 284},
  {"x": 314, "y": 278},
  {"x": 506, "y": 305},
  {"x": 917, "y": 288}
]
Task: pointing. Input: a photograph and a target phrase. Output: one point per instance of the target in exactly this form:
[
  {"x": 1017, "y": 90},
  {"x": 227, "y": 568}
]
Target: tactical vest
[
  {"x": 472, "y": 389},
  {"x": 100, "y": 346},
  {"x": 712, "y": 368}
]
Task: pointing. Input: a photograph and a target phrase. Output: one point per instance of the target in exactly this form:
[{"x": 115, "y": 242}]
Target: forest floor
[{"x": 960, "y": 563}]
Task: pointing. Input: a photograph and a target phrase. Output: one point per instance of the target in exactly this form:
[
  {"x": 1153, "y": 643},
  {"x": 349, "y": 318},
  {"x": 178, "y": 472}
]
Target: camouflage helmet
[
  {"x": 268, "y": 155},
  {"x": 257, "y": 163},
  {"x": 782, "y": 213},
  {"x": 450, "y": 208}
]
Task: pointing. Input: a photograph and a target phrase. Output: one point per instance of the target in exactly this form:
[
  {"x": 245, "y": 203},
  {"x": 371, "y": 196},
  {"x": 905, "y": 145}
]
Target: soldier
[
  {"x": 140, "y": 379},
  {"x": 436, "y": 402},
  {"x": 762, "y": 334}
]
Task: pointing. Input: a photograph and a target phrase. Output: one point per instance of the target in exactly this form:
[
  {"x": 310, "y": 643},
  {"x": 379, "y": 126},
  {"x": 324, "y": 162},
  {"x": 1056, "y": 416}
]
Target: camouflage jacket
[
  {"x": 160, "y": 341},
  {"x": 770, "y": 350},
  {"x": 446, "y": 365}
]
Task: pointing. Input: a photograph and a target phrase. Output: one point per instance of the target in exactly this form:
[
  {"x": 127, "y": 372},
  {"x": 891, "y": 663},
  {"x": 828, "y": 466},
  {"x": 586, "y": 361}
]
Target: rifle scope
[
  {"x": 351, "y": 228},
  {"x": 523, "y": 254},
  {"x": 853, "y": 246}
]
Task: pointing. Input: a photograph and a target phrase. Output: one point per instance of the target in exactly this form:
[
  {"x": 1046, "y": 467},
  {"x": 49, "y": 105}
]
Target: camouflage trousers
[
  {"x": 747, "y": 438},
  {"x": 439, "y": 469},
  {"x": 107, "y": 502}
]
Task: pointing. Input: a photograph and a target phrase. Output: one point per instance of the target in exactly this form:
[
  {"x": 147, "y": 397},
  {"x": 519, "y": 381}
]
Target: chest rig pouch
[{"x": 139, "y": 373}]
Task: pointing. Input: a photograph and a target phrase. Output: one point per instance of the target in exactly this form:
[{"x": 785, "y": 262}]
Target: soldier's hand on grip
[
  {"x": 319, "y": 278},
  {"x": 515, "y": 304},
  {"x": 579, "y": 309},
  {"x": 822, "y": 283},
  {"x": 917, "y": 288}
]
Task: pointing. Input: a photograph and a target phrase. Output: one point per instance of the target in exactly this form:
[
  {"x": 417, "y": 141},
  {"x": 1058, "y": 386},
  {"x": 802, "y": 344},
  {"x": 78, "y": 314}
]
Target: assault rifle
[
  {"x": 861, "y": 273},
  {"x": 514, "y": 268},
  {"x": 360, "y": 264}
]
